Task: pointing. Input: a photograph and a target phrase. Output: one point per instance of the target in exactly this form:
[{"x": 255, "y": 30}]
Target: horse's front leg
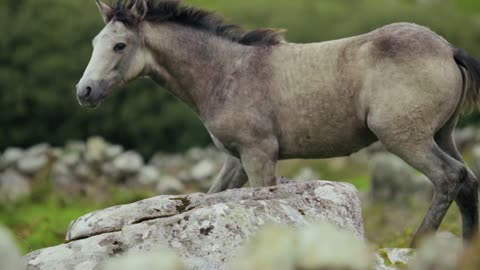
[
  {"x": 260, "y": 163},
  {"x": 231, "y": 176}
]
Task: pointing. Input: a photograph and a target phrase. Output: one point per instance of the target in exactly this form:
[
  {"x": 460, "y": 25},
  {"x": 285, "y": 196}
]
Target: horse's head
[{"x": 119, "y": 55}]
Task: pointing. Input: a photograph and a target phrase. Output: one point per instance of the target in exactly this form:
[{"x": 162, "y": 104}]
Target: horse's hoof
[{"x": 284, "y": 180}]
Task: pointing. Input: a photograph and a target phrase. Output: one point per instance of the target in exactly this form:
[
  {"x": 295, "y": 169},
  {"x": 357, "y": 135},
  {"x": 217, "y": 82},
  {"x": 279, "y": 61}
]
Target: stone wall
[
  {"x": 79, "y": 167},
  {"x": 85, "y": 167}
]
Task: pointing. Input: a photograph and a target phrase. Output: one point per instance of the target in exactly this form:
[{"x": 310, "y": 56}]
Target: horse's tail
[{"x": 470, "y": 68}]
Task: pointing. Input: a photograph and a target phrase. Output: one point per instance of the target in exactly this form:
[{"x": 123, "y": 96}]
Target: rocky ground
[
  {"x": 313, "y": 225},
  {"x": 205, "y": 230},
  {"x": 394, "y": 199}
]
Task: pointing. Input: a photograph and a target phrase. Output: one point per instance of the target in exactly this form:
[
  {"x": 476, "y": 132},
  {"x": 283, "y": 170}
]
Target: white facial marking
[{"x": 117, "y": 58}]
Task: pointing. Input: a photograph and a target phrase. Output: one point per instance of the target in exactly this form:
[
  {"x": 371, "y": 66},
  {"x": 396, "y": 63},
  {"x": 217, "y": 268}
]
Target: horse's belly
[{"x": 311, "y": 143}]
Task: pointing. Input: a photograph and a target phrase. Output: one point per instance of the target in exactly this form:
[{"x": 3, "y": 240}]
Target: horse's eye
[{"x": 119, "y": 47}]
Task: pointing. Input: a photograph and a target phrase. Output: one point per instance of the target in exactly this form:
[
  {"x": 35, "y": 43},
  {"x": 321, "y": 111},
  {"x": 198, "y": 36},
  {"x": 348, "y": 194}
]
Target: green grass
[
  {"x": 44, "y": 224},
  {"x": 389, "y": 225},
  {"x": 42, "y": 219},
  {"x": 336, "y": 169}
]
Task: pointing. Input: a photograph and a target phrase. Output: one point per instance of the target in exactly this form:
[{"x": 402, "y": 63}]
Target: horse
[{"x": 263, "y": 99}]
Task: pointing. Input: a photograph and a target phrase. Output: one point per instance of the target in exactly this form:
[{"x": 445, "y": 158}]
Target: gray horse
[{"x": 263, "y": 99}]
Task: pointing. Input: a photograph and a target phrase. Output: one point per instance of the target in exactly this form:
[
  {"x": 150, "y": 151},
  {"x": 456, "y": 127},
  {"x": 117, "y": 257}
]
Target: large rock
[
  {"x": 170, "y": 164},
  {"x": 161, "y": 259},
  {"x": 129, "y": 162},
  {"x": 34, "y": 159},
  {"x": 148, "y": 176},
  {"x": 14, "y": 185},
  {"x": 170, "y": 185},
  {"x": 95, "y": 150},
  {"x": 203, "y": 170},
  {"x": 64, "y": 179},
  {"x": 439, "y": 252},
  {"x": 306, "y": 174},
  {"x": 10, "y": 157},
  {"x": 9, "y": 253},
  {"x": 318, "y": 246},
  {"x": 206, "y": 230}
]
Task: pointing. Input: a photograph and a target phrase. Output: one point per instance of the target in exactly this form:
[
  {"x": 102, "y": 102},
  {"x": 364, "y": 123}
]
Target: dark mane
[{"x": 174, "y": 11}]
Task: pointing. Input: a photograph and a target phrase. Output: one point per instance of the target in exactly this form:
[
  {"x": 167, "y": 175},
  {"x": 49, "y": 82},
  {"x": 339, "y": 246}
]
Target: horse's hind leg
[
  {"x": 445, "y": 172},
  {"x": 467, "y": 198}
]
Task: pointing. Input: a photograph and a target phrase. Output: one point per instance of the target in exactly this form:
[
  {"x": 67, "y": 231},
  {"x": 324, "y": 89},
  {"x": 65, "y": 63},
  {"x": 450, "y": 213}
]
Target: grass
[
  {"x": 41, "y": 220},
  {"x": 40, "y": 225},
  {"x": 347, "y": 170},
  {"x": 389, "y": 225}
]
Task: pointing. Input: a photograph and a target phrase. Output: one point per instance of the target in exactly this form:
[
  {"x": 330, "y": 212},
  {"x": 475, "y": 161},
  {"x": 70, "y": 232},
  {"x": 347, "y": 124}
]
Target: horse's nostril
[{"x": 88, "y": 91}]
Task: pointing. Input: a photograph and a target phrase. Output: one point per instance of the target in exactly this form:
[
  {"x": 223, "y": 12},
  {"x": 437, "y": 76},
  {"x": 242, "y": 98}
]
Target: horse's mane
[{"x": 173, "y": 11}]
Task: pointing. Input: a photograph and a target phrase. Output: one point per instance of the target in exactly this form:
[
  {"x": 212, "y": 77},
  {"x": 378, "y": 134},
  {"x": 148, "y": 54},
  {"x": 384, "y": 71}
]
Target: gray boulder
[
  {"x": 14, "y": 185},
  {"x": 34, "y": 159},
  {"x": 195, "y": 154},
  {"x": 438, "y": 252},
  {"x": 169, "y": 164},
  {"x": 64, "y": 179},
  {"x": 148, "y": 176},
  {"x": 441, "y": 251},
  {"x": 129, "y": 162},
  {"x": 203, "y": 170},
  {"x": 170, "y": 185},
  {"x": 71, "y": 159},
  {"x": 206, "y": 230},
  {"x": 76, "y": 146},
  {"x": 317, "y": 246},
  {"x": 306, "y": 174},
  {"x": 95, "y": 151},
  {"x": 10, "y": 258},
  {"x": 10, "y": 157},
  {"x": 161, "y": 259},
  {"x": 113, "y": 151}
]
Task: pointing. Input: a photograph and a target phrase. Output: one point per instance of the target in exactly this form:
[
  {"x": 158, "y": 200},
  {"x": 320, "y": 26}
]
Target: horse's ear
[
  {"x": 139, "y": 8},
  {"x": 104, "y": 10}
]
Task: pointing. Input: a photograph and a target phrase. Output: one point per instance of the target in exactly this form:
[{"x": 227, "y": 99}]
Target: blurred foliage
[
  {"x": 388, "y": 225},
  {"x": 45, "y": 47}
]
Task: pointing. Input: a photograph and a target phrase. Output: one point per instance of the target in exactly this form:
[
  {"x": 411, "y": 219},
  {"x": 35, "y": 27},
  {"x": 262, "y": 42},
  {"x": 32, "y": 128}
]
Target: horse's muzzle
[{"x": 90, "y": 94}]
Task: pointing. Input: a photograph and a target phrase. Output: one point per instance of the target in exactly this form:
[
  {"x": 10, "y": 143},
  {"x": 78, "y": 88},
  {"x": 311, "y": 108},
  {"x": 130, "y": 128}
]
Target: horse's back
[{"x": 325, "y": 92}]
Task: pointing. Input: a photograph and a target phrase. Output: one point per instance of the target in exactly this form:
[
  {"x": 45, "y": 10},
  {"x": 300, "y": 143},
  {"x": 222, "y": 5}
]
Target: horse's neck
[{"x": 190, "y": 63}]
